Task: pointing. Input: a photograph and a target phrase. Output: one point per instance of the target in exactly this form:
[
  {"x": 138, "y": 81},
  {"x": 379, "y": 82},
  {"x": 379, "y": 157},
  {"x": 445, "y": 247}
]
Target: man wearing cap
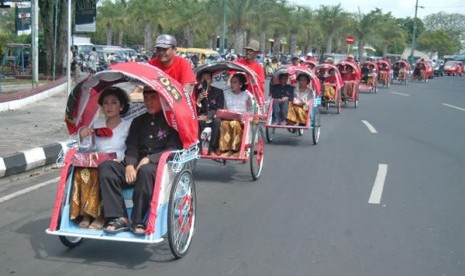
[
  {"x": 251, "y": 52},
  {"x": 310, "y": 56},
  {"x": 175, "y": 66}
]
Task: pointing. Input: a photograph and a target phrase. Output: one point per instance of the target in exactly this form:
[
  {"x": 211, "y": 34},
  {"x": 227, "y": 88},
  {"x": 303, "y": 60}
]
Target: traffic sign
[{"x": 350, "y": 39}]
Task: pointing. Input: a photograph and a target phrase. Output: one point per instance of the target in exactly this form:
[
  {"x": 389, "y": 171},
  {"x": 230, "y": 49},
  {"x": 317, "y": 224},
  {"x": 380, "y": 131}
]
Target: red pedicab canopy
[
  {"x": 384, "y": 64},
  {"x": 216, "y": 68},
  {"x": 325, "y": 68},
  {"x": 310, "y": 63},
  {"x": 371, "y": 63},
  {"x": 354, "y": 66},
  {"x": 295, "y": 71},
  {"x": 404, "y": 62},
  {"x": 82, "y": 107}
]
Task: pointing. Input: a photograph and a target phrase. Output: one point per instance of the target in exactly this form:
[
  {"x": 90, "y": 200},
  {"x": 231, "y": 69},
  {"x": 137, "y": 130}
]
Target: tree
[
  {"x": 453, "y": 24},
  {"x": 331, "y": 18},
  {"x": 240, "y": 18},
  {"x": 438, "y": 41},
  {"x": 391, "y": 35},
  {"x": 407, "y": 25}
]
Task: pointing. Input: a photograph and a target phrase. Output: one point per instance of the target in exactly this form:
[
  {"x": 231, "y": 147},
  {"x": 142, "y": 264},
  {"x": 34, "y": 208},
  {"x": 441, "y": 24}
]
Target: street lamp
[{"x": 415, "y": 28}]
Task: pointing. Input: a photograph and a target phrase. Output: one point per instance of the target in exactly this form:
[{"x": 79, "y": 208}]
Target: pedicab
[
  {"x": 351, "y": 76},
  {"x": 400, "y": 71},
  {"x": 251, "y": 148},
  {"x": 422, "y": 71},
  {"x": 385, "y": 76},
  {"x": 310, "y": 63},
  {"x": 331, "y": 86},
  {"x": 172, "y": 214},
  {"x": 312, "y": 113},
  {"x": 369, "y": 80}
]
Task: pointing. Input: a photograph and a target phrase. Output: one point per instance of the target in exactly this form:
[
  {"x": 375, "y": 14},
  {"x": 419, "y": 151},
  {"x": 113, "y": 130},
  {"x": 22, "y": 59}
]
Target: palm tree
[
  {"x": 391, "y": 33},
  {"x": 366, "y": 28},
  {"x": 241, "y": 16},
  {"x": 331, "y": 18}
]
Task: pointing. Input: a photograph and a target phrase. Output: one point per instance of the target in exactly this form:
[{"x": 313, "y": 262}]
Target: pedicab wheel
[
  {"x": 316, "y": 127},
  {"x": 71, "y": 242},
  {"x": 181, "y": 213},
  {"x": 256, "y": 153},
  {"x": 270, "y": 134}
]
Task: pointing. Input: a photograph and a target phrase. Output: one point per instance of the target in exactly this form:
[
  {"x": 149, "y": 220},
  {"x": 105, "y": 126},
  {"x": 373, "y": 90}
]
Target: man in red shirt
[
  {"x": 251, "y": 52},
  {"x": 175, "y": 66}
]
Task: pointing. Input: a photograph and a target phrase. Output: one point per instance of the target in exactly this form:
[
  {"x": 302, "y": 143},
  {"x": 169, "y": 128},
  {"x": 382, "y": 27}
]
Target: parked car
[{"x": 453, "y": 67}]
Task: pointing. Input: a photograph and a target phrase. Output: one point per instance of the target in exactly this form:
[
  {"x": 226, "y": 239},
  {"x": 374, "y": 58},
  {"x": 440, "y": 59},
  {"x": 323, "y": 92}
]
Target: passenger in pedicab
[
  {"x": 86, "y": 204},
  {"x": 295, "y": 61},
  {"x": 282, "y": 93},
  {"x": 169, "y": 62},
  {"x": 236, "y": 100},
  {"x": 149, "y": 136},
  {"x": 402, "y": 70},
  {"x": 329, "y": 81},
  {"x": 348, "y": 74},
  {"x": 209, "y": 99},
  {"x": 395, "y": 70},
  {"x": 298, "y": 107},
  {"x": 383, "y": 71}
]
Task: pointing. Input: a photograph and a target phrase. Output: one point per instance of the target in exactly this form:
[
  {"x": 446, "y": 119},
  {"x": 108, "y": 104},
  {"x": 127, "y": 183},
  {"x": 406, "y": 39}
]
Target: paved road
[{"x": 309, "y": 213}]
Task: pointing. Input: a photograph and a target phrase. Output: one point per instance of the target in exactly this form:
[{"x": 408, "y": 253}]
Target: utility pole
[
  {"x": 35, "y": 43},
  {"x": 415, "y": 28},
  {"x": 223, "y": 36},
  {"x": 68, "y": 57}
]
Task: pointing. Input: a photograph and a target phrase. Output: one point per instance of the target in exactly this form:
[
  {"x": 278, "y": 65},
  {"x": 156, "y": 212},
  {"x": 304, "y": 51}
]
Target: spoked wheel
[
  {"x": 256, "y": 152},
  {"x": 71, "y": 242},
  {"x": 181, "y": 213},
  {"x": 270, "y": 134},
  {"x": 316, "y": 127}
]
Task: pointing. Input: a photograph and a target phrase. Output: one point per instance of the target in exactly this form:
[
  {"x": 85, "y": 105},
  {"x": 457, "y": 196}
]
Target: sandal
[
  {"x": 118, "y": 224},
  {"x": 138, "y": 229}
]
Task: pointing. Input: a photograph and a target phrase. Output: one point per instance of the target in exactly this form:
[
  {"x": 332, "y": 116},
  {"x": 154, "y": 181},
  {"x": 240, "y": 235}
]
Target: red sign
[{"x": 350, "y": 39}]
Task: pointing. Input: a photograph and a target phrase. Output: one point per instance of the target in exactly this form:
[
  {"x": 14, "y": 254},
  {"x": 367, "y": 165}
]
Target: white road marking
[
  {"x": 369, "y": 126},
  {"x": 28, "y": 190},
  {"x": 452, "y": 106},
  {"x": 377, "y": 191},
  {"x": 398, "y": 93}
]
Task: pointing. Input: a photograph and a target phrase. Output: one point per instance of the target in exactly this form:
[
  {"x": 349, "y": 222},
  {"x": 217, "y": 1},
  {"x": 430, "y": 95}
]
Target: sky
[{"x": 398, "y": 8}]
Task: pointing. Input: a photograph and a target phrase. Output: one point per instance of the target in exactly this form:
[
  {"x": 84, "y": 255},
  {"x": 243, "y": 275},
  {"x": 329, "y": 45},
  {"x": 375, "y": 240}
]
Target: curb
[
  {"x": 14, "y": 104},
  {"x": 30, "y": 159}
]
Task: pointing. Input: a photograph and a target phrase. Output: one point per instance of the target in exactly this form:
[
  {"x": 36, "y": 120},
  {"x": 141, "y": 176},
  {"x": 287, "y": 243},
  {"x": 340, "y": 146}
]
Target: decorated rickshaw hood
[{"x": 82, "y": 106}]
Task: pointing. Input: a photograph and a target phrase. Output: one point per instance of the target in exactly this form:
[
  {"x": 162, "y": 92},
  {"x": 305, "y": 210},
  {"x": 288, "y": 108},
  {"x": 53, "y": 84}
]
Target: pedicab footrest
[{"x": 183, "y": 156}]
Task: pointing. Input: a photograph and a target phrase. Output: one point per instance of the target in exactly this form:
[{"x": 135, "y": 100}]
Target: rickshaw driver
[
  {"x": 251, "y": 52},
  {"x": 169, "y": 62},
  {"x": 149, "y": 136}
]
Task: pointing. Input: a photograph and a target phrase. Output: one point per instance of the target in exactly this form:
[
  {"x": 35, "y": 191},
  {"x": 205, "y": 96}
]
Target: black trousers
[
  {"x": 112, "y": 182},
  {"x": 215, "y": 135}
]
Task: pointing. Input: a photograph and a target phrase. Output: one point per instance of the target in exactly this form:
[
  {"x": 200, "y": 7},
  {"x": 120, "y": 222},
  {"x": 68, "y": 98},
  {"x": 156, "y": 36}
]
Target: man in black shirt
[
  {"x": 209, "y": 100},
  {"x": 282, "y": 93},
  {"x": 149, "y": 136}
]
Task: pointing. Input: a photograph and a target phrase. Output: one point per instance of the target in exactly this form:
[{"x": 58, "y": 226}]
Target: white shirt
[
  {"x": 115, "y": 143},
  {"x": 237, "y": 102}
]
